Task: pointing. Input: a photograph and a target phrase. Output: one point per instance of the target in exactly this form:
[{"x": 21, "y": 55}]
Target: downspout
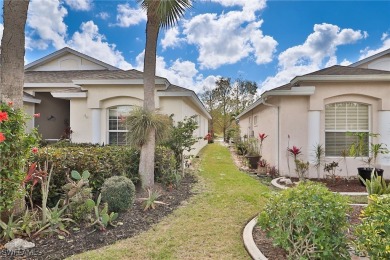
[{"x": 277, "y": 127}]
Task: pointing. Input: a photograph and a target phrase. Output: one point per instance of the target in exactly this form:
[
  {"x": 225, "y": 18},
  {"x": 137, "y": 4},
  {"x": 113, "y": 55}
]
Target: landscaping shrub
[
  {"x": 101, "y": 162},
  {"x": 15, "y": 147},
  {"x": 308, "y": 221},
  {"x": 166, "y": 172},
  {"x": 119, "y": 193},
  {"x": 373, "y": 234}
]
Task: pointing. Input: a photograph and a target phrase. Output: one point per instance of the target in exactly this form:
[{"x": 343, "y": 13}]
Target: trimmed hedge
[{"x": 102, "y": 162}]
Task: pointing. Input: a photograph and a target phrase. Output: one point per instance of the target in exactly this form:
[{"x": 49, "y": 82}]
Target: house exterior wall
[
  {"x": 29, "y": 109},
  {"x": 303, "y": 119},
  {"x": 80, "y": 121},
  {"x": 69, "y": 62},
  {"x": 181, "y": 108}
]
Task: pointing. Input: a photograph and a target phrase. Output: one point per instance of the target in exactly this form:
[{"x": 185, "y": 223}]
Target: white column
[
  {"x": 314, "y": 128},
  {"x": 384, "y": 131},
  {"x": 96, "y": 125}
]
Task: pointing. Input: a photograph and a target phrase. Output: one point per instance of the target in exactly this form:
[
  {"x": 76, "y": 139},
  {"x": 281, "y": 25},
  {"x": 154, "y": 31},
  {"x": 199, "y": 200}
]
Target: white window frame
[
  {"x": 254, "y": 120},
  {"x": 346, "y": 130},
  {"x": 117, "y": 118}
]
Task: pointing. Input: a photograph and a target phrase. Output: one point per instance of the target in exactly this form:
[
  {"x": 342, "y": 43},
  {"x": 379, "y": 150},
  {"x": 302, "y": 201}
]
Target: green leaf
[
  {"x": 86, "y": 175},
  {"x": 90, "y": 204},
  {"x": 76, "y": 175}
]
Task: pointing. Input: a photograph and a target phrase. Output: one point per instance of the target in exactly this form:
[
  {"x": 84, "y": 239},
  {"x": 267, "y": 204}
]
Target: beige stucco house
[
  {"x": 71, "y": 89},
  {"x": 320, "y": 108}
]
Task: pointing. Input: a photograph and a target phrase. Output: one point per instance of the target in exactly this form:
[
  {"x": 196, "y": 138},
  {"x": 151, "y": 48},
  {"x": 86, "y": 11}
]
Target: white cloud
[
  {"x": 103, "y": 15},
  {"x": 79, "y": 5},
  {"x": 345, "y": 62},
  {"x": 90, "y": 42},
  {"x": 46, "y": 18},
  {"x": 179, "y": 72},
  {"x": 128, "y": 16},
  {"x": 317, "y": 51},
  {"x": 1, "y": 31},
  {"x": 230, "y": 37},
  {"x": 171, "y": 38},
  {"x": 367, "y": 52}
]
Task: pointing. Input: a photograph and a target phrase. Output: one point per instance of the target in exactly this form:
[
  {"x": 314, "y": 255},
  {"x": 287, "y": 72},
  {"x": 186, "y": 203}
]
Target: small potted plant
[
  {"x": 262, "y": 167},
  {"x": 253, "y": 153},
  {"x": 368, "y": 155}
]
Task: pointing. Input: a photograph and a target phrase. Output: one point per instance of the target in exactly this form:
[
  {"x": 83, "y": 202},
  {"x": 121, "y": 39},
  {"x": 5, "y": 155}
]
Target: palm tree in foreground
[{"x": 160, "y": 13}]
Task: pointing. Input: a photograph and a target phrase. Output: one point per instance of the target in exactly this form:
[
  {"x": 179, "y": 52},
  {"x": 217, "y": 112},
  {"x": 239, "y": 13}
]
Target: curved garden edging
[
  {"x": 275, "y": 183},
  {"x": 249, "y": 243}
]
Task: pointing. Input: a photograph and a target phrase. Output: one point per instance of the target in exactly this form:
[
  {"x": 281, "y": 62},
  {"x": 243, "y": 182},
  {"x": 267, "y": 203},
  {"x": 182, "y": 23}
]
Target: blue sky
[{"x": 269, "y": 42}]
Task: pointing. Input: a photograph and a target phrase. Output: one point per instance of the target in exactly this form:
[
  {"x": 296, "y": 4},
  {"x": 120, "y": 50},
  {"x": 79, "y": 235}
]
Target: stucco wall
[
  {"x": 29, "y": 109},
  {"x": 181, "y": 107},
  {"x": 69, "y": 62},
  {"x": 80, "y": 121},
  {"x": 297, "y": 122}
]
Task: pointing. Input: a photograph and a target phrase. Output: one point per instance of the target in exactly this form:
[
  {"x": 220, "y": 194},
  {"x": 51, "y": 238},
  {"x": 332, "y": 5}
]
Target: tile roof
[{"x": 68, "y": 76}]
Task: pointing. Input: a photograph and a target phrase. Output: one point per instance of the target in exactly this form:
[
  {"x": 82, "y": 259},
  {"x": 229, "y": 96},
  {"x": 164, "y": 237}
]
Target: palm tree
[
  {"x": 160, "y": 13},
  {"x": 12, "y": 51}
]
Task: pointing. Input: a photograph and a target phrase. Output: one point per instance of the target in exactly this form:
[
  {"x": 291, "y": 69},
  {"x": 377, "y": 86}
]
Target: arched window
[
  {"x": 116, "y": 127},
  {"x": 341, "y": 121}
]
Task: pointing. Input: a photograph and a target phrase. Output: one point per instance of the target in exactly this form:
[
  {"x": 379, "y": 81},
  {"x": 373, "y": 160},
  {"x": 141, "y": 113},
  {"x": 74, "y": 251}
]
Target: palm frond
[
  {"x": 167, "y": 11},
  {"x": 140, "y": 122}
]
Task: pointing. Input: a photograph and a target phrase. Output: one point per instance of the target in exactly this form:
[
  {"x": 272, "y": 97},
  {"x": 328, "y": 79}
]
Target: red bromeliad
[
  {"x": 262, "y": 136},
  {"x": 294, "y": 151},
  {"x": 2, "y": 137}
]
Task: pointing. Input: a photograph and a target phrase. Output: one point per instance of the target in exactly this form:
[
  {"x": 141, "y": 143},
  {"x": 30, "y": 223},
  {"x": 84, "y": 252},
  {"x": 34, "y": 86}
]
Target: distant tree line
[{"x": 226, "y": 101}]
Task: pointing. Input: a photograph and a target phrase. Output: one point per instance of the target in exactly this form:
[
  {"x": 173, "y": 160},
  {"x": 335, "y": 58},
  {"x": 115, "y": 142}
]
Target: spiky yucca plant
[{"x": 140, "y": 121}]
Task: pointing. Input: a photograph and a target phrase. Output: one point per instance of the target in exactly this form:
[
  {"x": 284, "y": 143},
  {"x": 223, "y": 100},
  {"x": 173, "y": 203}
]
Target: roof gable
[
  {"x": 68, "y": 59},
  {"x": 379, "y": 61}
]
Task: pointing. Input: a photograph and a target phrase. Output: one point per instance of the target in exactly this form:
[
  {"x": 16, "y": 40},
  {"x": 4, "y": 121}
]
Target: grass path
[{"x": 208, "y": 227}]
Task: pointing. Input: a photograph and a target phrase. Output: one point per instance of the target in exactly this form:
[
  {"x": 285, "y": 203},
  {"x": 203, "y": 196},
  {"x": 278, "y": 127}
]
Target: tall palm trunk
[
  {"x": 146, "y": 166},
  {"x": 13, "y": 50}
]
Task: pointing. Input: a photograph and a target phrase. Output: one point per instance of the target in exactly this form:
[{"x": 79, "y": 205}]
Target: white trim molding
[
  {"x": 83, "y": 82},
  {"x": 50, "y": 85},
  {"x": 68, "y": 95}
]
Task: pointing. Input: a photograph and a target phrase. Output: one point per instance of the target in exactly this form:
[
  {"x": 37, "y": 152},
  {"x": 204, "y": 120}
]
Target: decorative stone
[
  {"x": 18, "y": 244},
  {"x": 286, "y": 181}
]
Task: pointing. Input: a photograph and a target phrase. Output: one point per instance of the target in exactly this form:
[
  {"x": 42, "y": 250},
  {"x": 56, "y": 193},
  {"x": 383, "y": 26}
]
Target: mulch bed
[
  {"x": 339, "y": 184},
  {"x": 134, "y": 222}
]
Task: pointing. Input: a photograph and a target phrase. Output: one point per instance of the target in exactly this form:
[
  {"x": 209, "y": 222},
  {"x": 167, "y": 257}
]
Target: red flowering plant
[
  {"x": 15, "y": 146},
  {"x": 262, "y": 137},
  {"x": 301, "y": 167}
]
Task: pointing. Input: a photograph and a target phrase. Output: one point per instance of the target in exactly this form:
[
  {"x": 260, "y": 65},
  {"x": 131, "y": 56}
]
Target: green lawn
[{"x": 208, "y": 227}]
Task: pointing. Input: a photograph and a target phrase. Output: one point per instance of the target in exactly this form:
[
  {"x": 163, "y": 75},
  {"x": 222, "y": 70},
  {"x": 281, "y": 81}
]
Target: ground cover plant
[
  {"x": 317, "y": 233},
  {"x": 226, "y": 198}
]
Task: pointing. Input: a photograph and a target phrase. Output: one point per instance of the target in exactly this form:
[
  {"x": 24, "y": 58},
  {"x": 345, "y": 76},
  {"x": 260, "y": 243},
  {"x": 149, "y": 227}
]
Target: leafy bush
[
  {"x": 15, "y": 147},
  {"x": 166, "y": 172},
  {"x": 119, "y": 193},
  {"x": 102, "y": 162},
  {"x": 373, "y": 233},
  {"x": 308, "y": 221}
]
